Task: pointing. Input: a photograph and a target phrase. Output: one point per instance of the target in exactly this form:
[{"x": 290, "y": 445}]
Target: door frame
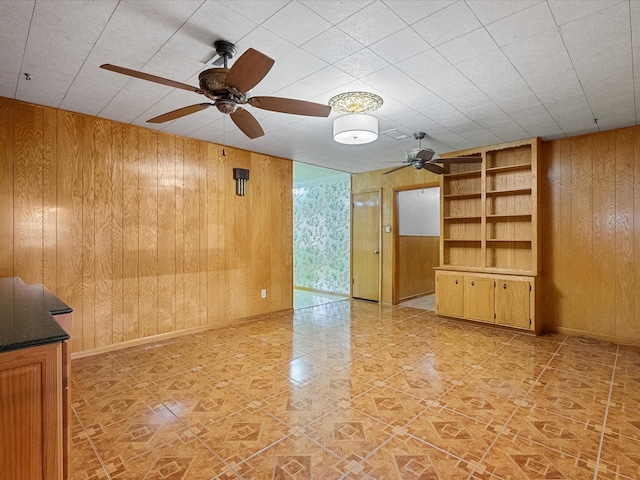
[
  {"x": 395, "y": 251},
  {"x": 379, "y": 192}
]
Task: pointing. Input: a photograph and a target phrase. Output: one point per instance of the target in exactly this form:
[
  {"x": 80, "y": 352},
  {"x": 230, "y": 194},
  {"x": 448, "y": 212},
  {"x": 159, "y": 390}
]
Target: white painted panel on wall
[{"x": 419, "y": 212}]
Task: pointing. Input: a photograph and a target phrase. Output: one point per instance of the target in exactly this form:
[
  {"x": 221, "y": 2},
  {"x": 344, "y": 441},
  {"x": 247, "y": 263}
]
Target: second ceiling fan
[
  {"x": 228, "y": 89},
  {"x": 422, "y": 158}
]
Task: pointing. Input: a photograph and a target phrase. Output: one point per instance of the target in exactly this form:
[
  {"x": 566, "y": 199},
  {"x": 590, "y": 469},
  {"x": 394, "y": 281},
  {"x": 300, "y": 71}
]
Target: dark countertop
[{"x": 26, "y": 315}]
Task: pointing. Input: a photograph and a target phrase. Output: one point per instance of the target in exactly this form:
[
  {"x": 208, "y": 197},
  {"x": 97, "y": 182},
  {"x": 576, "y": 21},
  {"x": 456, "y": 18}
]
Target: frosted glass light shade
[{"x": 355, "y": 129}]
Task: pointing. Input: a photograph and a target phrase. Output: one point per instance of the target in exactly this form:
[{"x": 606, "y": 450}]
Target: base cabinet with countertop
[{"x": 34, "y": 376}]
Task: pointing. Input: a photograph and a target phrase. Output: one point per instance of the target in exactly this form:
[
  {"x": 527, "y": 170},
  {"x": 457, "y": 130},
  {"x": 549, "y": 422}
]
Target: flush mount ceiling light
[
  {"x": 355, "y": 102},
  {"x": 356, "y": 127}
]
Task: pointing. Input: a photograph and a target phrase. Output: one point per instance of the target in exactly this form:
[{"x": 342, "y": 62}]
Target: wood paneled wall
[
  {"x": 405, "y": 179},
  {"x": 590, "y": 234},
  {"x": 415, "y": 263},
  {"x": 139, "y": 231}
]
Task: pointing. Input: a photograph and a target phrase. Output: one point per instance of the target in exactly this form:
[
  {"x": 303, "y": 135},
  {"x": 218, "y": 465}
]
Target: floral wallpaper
[{"x": 321, "y": 223}]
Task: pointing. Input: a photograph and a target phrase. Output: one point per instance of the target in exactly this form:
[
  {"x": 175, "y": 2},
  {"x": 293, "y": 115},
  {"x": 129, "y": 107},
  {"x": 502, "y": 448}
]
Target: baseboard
[
  {"x": 417, "y": 295},
  {"x": 598, "y": 336}
]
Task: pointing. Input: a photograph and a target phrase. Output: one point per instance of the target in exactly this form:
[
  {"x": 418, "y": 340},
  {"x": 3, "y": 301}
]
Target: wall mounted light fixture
[{"x": 240, "y": 175}]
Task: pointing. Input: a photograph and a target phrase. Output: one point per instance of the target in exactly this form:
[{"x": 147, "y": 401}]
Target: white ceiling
[{"x": 467, "y": 72}]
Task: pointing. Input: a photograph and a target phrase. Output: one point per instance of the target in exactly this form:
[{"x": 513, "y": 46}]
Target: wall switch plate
[{"x": 263, "y": 293}]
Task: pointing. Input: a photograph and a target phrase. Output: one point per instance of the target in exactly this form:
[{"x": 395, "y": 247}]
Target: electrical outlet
[{"x": 263, "y": 293}]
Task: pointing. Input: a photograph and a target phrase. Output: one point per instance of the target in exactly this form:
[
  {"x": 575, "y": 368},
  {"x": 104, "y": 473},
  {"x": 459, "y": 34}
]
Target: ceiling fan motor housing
[
  {"x": 212, "y": 81},
  {"x": 419, "y": 154}
]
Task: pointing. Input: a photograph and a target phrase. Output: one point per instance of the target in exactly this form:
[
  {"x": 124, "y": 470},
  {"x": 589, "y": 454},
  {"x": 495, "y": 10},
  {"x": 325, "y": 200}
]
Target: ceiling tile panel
[
  {"x": 522, "y": 25},
  {"x": 489, "y": 69},
  {"x": 565, "y": 11},
  {"x": 135, "y": 32},
  {"x": 509, "y": 131},
  {"x": 489, "y": 12},
  {"x": 604, "y": 64},
  {"x": 60, "y": 37},
  {"x": 300, "y": 64},
  {"x": 372, "y": 23},
  {"x": 257, "y": 11},
  {"x": 332, "y": 45},
  {"x": 307, "y": 24},
  {"x": 88, "y": 96},
  {"x": 449, "y": 84},
  {"x": 400, "y": 45},
  {"x": 394, "y": 83},
  {"x": 467, "y": 46},
  {"x": 336, "y": 10},
  {"x": 447, "y": 24},
  {"x": 126, "y": 106},
  {"x": 411, "y": 12},
  {"x": 266, "y": 42},
  {"x": 14, "y": 29},
  {"x": 424, "y": 64},
  {"x": 361, "y": 63}
]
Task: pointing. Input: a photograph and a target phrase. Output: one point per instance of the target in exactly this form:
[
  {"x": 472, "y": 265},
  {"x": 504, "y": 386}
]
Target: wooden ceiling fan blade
[
  {"x": 432, "y": 167},
  {"x": 396, "y": 169},
  {"x": 289, "y": 105},
  {"x": 247, "y": 123},
  {"x": 150, "y": 78},
  {"x": 247, "y": 71},
  {"x": 180, "y": 112},
  {"x": 459, "y": 160}
]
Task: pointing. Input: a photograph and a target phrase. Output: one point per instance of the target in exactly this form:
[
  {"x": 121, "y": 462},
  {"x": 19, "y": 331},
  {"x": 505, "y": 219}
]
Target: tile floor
[
  {"x": 425, "y": 302},
  {"x": 357, "y": 390},
  {"x": 307, "y": 298}
]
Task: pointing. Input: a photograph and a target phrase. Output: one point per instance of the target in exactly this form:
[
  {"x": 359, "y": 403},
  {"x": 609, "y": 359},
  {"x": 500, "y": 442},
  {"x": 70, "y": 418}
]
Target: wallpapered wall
[{"x": 321, "y": 235}]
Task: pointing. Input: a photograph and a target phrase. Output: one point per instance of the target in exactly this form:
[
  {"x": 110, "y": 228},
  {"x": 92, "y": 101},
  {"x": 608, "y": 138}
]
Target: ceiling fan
[
  {"x": 420, "y": 158},
  {"x": 228, "y": 88}
]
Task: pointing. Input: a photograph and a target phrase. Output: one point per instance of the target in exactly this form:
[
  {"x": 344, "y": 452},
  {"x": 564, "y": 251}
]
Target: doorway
[
  {"x": 365, "y": 238},
  {"x": 417, "y": 243},
  {"x": 321, "y": 248}
]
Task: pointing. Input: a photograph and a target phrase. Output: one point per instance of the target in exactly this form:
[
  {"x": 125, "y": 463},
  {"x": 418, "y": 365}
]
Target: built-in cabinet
[{"x": 489, "y": 236}]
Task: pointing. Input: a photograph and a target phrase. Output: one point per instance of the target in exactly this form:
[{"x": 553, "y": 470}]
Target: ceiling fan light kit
[{"x": 355, "y": 129}]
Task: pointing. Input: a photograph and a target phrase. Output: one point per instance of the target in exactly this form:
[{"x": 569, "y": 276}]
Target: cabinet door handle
[
  {"x": 504, "y": 285},
  {"x": 472, "y": 283},
  {"x": 376, "y": 251},
  {"x": 456, "y": 281}
]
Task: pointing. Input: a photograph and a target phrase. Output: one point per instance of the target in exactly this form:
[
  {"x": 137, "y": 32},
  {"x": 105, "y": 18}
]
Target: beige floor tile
[
  {"x": 574, "y": 437},
  {"x": 184, "y": 458},
  {"x": 406, "y": 458},
  {"x": 241, "y": 435},
  {"x": 451, "y": 432},
  {"x": 517, "y": 458},
  {"x": 620, "y": 458},
  {"x": 293, "y": 457},
  {"x": 136, "y": 435},
  {"x": 349, "y": 433},
  {"x": 389, "y": 406}
]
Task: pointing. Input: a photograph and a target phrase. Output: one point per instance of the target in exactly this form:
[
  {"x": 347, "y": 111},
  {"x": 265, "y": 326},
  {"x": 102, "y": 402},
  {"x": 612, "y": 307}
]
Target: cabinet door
[
  {"x": 513, "y": 302},
  {"x": 31, "y": 413},
  {"x": 478, "y": 298},
  {"x": 449, "y": 294}
]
